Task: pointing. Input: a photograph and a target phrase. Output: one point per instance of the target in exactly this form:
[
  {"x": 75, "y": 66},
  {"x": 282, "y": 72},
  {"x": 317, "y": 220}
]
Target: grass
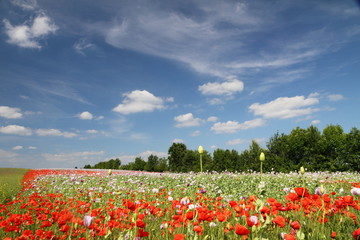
[{"x": 10, "y": 182}]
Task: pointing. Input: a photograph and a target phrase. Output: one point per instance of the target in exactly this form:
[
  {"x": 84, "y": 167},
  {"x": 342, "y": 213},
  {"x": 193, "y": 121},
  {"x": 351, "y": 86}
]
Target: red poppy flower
[
  {"x": 280, "y": 221},
  {"x": 295, "y": 225},
  {"x": 198, "y": 229},
  {"x": 140, "y": 224},
  {"x": 289, "y": 237},
  {"x": 179, "y": 236},
  {"x": 142, "y": 233},
  {"x": 302, "y": 192},
  {"x": 241, "y": 230},
  {"x": 356, "y": 234},
  {"x": 333, "y": 235}
]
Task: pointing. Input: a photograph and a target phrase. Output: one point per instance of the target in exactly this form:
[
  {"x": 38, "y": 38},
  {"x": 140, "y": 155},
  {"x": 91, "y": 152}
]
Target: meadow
[
  {"x": 10, "y": 182},
  {"x": 78, "y": 204}
]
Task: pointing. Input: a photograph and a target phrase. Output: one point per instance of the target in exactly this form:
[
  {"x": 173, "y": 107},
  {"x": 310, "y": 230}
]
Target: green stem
[{"x": 201, "y": 163}]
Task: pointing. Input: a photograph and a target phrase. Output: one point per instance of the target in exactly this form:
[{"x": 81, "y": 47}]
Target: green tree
[
  {"x": 139, "y": 164},
  {"x": 332, "y": 146},
  {"x": 226, "y": 160},
  {"x": 352, "y": 150},
  {"x": 151, "y": 163},
  {"x": 176, "y": 153}
]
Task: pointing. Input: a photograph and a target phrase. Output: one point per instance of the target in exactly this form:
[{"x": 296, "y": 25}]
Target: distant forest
[{"x": 330, "y": 150}]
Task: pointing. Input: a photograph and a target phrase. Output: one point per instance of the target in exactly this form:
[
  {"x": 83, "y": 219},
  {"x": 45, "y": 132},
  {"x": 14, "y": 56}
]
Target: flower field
[{"x": 77, "y": 204}]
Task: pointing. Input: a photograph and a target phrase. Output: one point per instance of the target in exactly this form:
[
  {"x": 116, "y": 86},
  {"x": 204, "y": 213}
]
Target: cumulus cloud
[
  {"x": 234, "y": 126},
  {"x": 139, "y": 101},
  {"x": 54, "y": 132},
  {"x": 85, "y": 116},
  {"x": 17, "y": 147},
  {"x": 285, "y": 107},
  {"x": 16, "y": 130},
  {"x": 32, "y": 148},
  {"x": 315, "y": 122},
  {"x": 187, "y": 120},
  {"x": 227, "y": 88},
  {"x": 9, "y": 112},
  {"x": 28, "y": 35},
  {"x": 335, "y": 97}
]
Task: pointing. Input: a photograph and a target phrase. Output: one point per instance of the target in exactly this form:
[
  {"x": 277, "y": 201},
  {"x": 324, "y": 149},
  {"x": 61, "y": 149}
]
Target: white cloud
[
  {"x": 233, "y": 126},
  {"x": 170, "y": 99},
  {"x": 17, "y": 147},
  {"x": 285, "y": 107},
  {"x": 73, "y": 157},
  {"x": 227, "y": 88},
  {"x": 195, "y": 133},
  {"x": 315, "y": 122},
  {"x": 55, "y": 132},
  {"x": 99, "y": 118},
  {"x": 237, "y": 141},
  {"x": 215, "y": 101},
  {"x": 187, "y": 120},
  {"x": 85, "y": 116},
  {"x": 177, "y": 140},
  {"x": 9, "y": 112},
  {"x": 139, "y": 101},
  {"x": 335, "y": 97},
  {"x": 28, "y": 35},
  {"x": 32, "y": 148},
  {"x": 212, "y": 119},
  {"x": 16, "y": 129}
]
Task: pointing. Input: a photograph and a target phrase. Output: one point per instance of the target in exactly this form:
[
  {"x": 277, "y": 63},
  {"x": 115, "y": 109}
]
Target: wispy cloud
[
  {"x": 25, "y": 4},
  {"x": 83, "y": 45},
  {"x": 73, "y": 157},
  {"x": 335, "y": 97}
]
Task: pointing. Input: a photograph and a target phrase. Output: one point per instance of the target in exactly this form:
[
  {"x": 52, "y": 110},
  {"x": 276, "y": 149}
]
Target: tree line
[{"x": 329, "y": 150}]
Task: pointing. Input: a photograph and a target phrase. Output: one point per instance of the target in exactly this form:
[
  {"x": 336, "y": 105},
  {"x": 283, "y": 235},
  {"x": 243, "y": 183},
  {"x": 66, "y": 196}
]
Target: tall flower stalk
[
  {"x": 262, "y": 159},
  {"x": 201, "y": 151}
]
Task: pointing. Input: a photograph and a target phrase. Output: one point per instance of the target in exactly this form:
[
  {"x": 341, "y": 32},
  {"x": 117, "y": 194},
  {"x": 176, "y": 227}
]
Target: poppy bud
[
  {"x": 262, "y": 157},
  {"x": 302, "y": 170},
  {"x": 200, "y": 150}
]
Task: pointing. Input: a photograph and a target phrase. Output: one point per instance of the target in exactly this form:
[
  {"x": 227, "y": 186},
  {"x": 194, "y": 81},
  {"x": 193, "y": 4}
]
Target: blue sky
[{"x": 86, "y": 81}]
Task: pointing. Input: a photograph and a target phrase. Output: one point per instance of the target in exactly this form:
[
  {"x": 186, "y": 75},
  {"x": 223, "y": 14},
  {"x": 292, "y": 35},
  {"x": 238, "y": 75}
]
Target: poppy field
[{"x": 79, "y": 204}]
